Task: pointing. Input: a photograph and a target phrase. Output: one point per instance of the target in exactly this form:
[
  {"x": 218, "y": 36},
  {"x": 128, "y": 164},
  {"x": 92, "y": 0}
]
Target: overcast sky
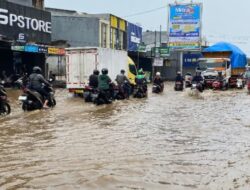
[{"x": 223, "y": 20}]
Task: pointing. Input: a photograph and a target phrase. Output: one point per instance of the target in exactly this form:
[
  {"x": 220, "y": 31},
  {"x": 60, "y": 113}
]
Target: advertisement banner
[
  {"x": 191, "y": 59},
  {"x": 134, "y": 37},
  {"x": 185, "y": 26},
  {"x": 24, "y": 24}
]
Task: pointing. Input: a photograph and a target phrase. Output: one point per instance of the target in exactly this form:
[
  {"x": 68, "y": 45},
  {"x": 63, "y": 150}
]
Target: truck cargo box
[{"x": 82, "y": 61}]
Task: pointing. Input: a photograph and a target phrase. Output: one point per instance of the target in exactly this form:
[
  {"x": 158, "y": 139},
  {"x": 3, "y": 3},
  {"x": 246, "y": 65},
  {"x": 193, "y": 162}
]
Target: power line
[{"x": 146, "y": 12}]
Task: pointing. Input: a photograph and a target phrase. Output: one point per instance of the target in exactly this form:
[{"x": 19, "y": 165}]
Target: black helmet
[
  {"x": 96, "y": 72},
  {"x": 220, "y": 73},
  {"x": 123, "y": 71},
  {"x": 37, "y": 69},
  {"x": 105, "y": 71}
]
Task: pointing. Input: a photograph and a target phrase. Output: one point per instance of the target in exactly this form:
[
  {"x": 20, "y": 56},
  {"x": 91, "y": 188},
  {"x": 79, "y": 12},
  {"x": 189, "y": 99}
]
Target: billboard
[
  {"x": 134, "y": 37},
  {"x": 184, "y": 26},
  {"x": 23, "y": 23}
]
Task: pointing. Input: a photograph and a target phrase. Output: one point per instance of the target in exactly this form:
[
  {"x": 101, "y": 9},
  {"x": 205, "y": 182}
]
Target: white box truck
[{"x": 80, "y": 63}]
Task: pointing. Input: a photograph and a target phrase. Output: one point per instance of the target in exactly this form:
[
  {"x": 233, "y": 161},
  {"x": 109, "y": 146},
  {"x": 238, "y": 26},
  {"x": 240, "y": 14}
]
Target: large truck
[
  {"x": 80, "y": 63},
  {"x": 224, "y": 57}
]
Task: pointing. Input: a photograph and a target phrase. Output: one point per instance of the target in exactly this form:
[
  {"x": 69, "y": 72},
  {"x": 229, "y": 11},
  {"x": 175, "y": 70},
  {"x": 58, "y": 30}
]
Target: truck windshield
[
  {"x": 132, "y": 69},
  {"x": 204, "y": 65}
]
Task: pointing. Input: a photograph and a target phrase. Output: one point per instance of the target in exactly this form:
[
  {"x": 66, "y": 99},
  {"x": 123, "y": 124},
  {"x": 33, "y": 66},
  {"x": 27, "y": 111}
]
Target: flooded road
[{"x": 170, "y": 141}]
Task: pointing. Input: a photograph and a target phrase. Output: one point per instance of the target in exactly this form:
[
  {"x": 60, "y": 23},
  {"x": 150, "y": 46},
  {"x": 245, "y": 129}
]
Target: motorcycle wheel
[
  {"x": 52, "y": 103},
  {"x": 5, "y": 109}
]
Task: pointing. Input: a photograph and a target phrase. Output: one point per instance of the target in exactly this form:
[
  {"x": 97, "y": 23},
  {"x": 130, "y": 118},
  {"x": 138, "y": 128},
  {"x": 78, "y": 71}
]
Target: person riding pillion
[
  {"x": 36, "y": 81},
  {"x": 93, "y": 79},
  {"x": 158, "y": 80}
]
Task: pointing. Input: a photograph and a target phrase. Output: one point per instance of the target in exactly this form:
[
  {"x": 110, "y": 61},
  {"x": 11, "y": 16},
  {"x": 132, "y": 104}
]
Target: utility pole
[{"x": 160, "y": 35}]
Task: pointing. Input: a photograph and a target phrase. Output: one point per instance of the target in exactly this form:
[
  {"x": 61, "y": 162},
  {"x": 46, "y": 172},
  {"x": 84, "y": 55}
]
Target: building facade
[{"x": 25, "y": 33}]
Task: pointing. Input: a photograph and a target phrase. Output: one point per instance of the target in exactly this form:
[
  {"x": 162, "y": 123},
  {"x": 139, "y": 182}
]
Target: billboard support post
[{"x": 181, "y": 62}]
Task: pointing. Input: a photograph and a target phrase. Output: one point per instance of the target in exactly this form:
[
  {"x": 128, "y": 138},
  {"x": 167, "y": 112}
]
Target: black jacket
[{"x": 93, "y": 81}]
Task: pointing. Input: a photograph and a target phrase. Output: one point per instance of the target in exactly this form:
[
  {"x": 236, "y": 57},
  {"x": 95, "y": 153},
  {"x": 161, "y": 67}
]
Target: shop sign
[
  {"x": 31, "y": 48},
  {"x": 17, "y": 48},
  {"x": 158, "y": 62},
  {"x": 42, "y": 49},
  {"x": 56, "y": 51}
]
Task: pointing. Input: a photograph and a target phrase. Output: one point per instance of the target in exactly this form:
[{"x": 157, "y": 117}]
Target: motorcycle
[
  {"x": 197, "y": 86},
  {"x": 140, "y": 91},
  {"x": 101, "y": 97},
  {"x": 248, "y": 86},
  {"x": 4, "y": 104},
  {"x": 122, "y": 92},
  {"x": 219, "y": 85},
  {"x": 88, "y": 94},
  {"x": 32, "y": 100},
  {"x": 157, "y": 89},
  {"x": 178, "y": 86},
  {"x": 240, "y": 84},
  {"x": 188, "y": 80}
]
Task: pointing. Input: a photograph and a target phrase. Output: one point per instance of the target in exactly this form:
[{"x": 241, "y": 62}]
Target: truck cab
[{"x": 209, "y": 68}]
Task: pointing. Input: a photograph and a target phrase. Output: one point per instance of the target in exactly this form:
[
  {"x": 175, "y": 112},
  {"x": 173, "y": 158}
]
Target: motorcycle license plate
[{"x": 22, "y": 98}]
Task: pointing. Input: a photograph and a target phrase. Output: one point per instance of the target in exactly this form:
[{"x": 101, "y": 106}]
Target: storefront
[{"x": 25, "y": 33}]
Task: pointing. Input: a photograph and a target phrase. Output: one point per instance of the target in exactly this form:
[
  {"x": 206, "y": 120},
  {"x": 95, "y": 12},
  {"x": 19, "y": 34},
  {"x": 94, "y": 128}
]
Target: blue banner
[
  {"x": 31, "y": 48},
  {"x": 185, "y": 26},
  {"x": 134, "y": 36},
  {"x": 191, "y": 59}
]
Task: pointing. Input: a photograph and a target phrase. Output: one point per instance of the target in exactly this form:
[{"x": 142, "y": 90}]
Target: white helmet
[{"x": 158, "y": 74}]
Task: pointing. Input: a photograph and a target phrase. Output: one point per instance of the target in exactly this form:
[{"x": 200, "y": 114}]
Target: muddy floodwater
[{"x": 171, "y": 141}]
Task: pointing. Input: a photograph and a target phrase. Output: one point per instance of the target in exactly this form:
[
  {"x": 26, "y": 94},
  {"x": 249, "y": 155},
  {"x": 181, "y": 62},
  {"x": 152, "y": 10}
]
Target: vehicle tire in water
[{"x": 5, "y": 109}]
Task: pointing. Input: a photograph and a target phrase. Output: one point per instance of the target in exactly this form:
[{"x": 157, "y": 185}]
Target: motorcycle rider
[
  {"x": 198, "y": 78},
  {"x": 36, "y": 81},
  {"x": 179, "y": 78},
  {"x": 221, "y": 78},
  {"x": 158, "y": 81},
  {"x": 93, "y": 79},
  {"x": 121, "y": 79},
  {"x": 104, "y": 82},
  {"x": 141, "y": 80}
]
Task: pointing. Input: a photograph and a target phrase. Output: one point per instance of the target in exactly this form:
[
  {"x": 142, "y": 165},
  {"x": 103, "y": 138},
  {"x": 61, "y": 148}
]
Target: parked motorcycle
[
  {"x": 32, "y": 100},
  {"x": 4, "y": 104},
  {"x": 178, "y": 86},
  {"x": 188, "y": 80}
]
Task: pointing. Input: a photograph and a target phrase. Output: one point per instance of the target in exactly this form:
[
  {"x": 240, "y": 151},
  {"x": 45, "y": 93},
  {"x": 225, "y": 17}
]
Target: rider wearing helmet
[
  {"x": 158, "y": 80},
  {"x": 179, "y": 77},
  {"x": 93, "y": 79},
  {"x": 104, "y": 80},
  {"x": 220, "y": 77},
  {"x": 141, "y": 80},
  {"x": 36, "y": 81},
  {"x": 198, "y": 78}
]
